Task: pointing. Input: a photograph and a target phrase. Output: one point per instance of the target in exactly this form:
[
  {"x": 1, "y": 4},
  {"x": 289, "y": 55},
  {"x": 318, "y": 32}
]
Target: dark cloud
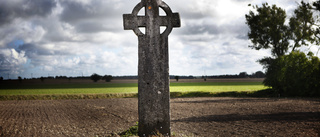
[
  {"x": 238, "y": 30},
  {"x": 243, "y": 36},
  {"x": 43, "y": 55},
  {"x": 90, "y": 27},
  {"x": 4, "y": 63},
  {"x": 94, "y": 26},
  {"x": 12, "y": 9},
  {"x": 194, "y": 29},
  {"x": 190, "y": 14},
  {"x": 94, "y": 16},
  {"x": 75, "y": 11},
  {"x": 34, "y": 51}
]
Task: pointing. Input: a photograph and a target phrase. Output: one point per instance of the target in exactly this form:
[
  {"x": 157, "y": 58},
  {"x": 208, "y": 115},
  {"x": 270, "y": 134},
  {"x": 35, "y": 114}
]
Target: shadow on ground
[
  {"x": 260, "y": 93},
  {"x": 291, "y": 116}
]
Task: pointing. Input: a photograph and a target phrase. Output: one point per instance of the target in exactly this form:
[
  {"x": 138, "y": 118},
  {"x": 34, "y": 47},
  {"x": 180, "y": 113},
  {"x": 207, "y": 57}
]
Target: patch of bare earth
[
  {"x": 189, "y": 116},
  {"x": 66, "y": 117},
  {"x": 246, "y": 116}
]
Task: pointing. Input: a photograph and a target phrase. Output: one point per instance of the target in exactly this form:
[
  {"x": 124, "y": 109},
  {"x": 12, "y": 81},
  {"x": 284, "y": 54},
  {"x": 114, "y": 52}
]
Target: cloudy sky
[{"x": 81, "y": 37}]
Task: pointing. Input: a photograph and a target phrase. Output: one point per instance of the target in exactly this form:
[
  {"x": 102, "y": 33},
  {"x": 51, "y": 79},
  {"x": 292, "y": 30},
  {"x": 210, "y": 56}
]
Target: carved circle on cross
[{"x": 164, "y": 7}]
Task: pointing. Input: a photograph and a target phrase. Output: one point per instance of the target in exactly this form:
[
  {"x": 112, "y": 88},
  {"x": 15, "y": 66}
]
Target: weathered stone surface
[{"x": 153, "y": 69}]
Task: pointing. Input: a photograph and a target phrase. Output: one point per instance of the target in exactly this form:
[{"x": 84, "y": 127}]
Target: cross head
[{"x": 133, "y": 21}]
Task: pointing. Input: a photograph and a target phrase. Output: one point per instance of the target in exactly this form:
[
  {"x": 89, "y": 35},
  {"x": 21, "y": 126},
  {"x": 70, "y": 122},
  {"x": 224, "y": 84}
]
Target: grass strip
[
  {"x": 67, "y": 96},
  {"x": 260, "y": 93},
  {"x": 112, "y": 90},
  {"x": 48, "y": 89}
]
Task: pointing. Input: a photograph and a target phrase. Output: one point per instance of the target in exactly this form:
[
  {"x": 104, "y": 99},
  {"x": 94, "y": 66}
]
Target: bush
[
  {"x": 176, "y": 77},
  {"x": 95, "y": 77},
  {"x": 42, "y": 79},
  {"x": 108, "y": 78},
  {"x": 294, "y": 75},
  {"x": 20, "y": 79}
]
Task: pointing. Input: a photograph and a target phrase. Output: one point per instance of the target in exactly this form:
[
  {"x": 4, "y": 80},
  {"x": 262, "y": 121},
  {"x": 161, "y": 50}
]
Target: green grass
[
  {"x": 132, "y": 131},
  {"x": 43, "y": 91},
  {"x": 68, "y": 91},
  {"x": 52, "y": 89},
  {"x": 110, "y": 88},
  {"x": 217, "y": 86}
]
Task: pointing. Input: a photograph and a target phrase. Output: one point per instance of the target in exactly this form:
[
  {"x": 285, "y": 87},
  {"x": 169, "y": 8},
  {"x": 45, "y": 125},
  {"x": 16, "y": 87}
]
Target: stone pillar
[{"x": 153, "y": 68}]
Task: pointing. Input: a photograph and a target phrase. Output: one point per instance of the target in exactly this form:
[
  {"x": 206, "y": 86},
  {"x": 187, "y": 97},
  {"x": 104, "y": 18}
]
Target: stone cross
[{"x": 153, "y": 66}]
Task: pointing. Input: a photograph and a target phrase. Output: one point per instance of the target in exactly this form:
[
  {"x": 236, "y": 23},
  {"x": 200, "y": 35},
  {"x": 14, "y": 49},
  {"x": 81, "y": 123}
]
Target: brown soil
[{"x": 189, "y": 116}]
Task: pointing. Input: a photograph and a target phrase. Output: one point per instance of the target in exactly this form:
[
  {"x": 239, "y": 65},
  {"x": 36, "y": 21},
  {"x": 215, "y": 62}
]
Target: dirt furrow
[{"x": 189, "y": 116}]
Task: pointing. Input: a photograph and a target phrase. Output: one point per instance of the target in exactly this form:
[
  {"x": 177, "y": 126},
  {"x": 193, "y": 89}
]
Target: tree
[
  {"x": 177, "y": 78},
  {"x": 302, "y": 26},
  {"x": 20, "y": 79},
  {"x": 243, "y": 74},
  {"x": 268, "y": 29},
  {"x": 42, "y": 79},
  {"x": 108, "y": 78},
  {"x": 288, "y": 74},
  {"x": 259, "y": 74},
  {"x": 95, "y": 77},
  {"x": 316, "y": 5},
  {"x": 294, "y": 75}
]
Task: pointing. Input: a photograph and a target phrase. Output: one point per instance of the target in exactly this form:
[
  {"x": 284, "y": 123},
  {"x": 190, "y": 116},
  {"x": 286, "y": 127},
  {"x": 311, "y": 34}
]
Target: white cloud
[
  {"x": 12, "y": 61},
  {"x": 74, "y": 37}
]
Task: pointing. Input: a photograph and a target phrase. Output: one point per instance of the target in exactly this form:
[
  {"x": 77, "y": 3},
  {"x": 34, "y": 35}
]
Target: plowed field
[{"x": 189, "y": 116}]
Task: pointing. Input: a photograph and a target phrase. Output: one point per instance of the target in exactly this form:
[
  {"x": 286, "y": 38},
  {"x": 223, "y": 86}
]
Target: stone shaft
[{"x": 153, "y": 66}]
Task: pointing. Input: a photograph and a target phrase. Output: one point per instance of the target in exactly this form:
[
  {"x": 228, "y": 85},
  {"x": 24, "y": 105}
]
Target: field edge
[
  {"x": 67, "y": 96},
  {"x": 259, "y": 93}
]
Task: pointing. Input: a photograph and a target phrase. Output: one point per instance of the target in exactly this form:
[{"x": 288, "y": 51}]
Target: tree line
[
  {"x": 289, "y": 71},
  {"x": 96, "y": 77},
  {"x": 258, "y": 74}
]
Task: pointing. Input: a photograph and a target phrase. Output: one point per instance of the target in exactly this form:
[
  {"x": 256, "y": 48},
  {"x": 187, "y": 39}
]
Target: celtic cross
[{"x": 153, "y": 66}]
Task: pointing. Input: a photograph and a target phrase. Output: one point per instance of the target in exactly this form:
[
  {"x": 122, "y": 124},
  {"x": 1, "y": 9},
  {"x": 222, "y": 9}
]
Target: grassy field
[
  {"x": 216, "y": 86},
  {"x": 124, "y": 87}
]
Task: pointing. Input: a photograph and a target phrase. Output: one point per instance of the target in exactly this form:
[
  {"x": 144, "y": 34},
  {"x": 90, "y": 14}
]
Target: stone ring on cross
[{"x": 134, "y": 21}]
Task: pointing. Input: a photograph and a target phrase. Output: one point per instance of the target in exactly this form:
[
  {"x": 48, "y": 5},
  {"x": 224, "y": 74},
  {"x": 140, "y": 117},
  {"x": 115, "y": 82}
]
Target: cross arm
[
  {"x": 131, "y": 22},
  {"x": 174, "y": 20}
]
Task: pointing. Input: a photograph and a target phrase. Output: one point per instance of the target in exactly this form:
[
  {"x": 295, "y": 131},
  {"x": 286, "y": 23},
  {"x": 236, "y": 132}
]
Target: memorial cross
[{"x": 153, "y": 66}]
